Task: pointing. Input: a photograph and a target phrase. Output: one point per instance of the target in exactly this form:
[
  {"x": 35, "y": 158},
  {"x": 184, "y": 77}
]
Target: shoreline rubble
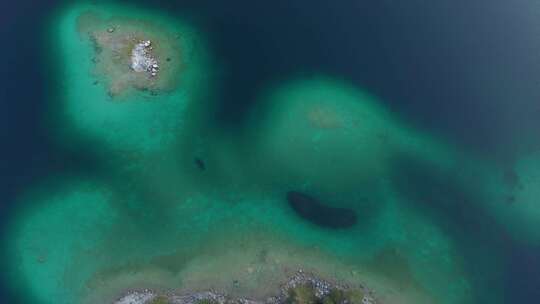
[{"x": 321, "y": 289}]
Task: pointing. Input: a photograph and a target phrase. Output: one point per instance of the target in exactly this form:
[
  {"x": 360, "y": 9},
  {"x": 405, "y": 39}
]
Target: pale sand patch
[{"x": 324, "y": 117}]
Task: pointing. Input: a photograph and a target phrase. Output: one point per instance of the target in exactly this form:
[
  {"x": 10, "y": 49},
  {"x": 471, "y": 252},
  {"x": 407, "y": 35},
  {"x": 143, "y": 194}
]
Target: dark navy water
[{"x": 467, "y": 70}]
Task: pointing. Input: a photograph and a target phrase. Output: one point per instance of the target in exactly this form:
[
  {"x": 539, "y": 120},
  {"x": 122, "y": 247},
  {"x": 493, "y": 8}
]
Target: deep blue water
[{"x": 469, "y": 70}]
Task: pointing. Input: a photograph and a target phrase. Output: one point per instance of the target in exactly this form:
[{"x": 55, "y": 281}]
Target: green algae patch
[{"x": 127, "y": 75}]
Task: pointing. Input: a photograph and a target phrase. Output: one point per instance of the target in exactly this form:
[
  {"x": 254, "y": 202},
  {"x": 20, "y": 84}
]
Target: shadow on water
[
  {"x": 311, "y": 209},
  {"x": 454, "y": 206}
]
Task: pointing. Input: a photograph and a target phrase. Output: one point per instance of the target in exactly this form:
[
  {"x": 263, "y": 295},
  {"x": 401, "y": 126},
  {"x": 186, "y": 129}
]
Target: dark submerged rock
[
  {"x": 200, "y": 164},
  {"x": 322, "y": 215}
]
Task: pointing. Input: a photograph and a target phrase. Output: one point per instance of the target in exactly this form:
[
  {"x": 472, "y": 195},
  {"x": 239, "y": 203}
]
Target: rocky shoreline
[{"x": 302, "y": 288}]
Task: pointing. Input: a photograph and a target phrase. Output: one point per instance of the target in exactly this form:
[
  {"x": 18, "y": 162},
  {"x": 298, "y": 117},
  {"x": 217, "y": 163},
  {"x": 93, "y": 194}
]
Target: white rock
[
  {"x": 141, "y": 60},
  {"x": 136, "y": 297}
]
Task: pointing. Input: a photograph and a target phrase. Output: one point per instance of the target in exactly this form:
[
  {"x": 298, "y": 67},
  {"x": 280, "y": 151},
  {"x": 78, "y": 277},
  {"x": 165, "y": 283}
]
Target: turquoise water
[{"x": 150, "y": 217}]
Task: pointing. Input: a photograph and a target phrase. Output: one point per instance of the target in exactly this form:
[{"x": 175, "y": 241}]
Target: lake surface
[{"x": 415, "y": 123}]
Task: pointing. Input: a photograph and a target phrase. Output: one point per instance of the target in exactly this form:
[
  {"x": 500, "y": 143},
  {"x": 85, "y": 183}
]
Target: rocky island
[
  {"x": 114, "y": 59},
  {"x": 132, "y": 53}
]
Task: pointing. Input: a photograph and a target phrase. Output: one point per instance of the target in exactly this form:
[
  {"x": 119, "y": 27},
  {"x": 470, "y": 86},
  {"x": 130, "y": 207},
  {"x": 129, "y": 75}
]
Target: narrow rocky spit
[{"x": 302, "y": 288}]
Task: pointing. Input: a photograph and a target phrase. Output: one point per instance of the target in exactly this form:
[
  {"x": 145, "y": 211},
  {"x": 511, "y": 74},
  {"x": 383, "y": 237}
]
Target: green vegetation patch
[
  {"x": 302, "y": 294},
  {"x": 160, "y": 300},
  {"x": 341, "y": 296},
  {"x": 207, "y": 301}
]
